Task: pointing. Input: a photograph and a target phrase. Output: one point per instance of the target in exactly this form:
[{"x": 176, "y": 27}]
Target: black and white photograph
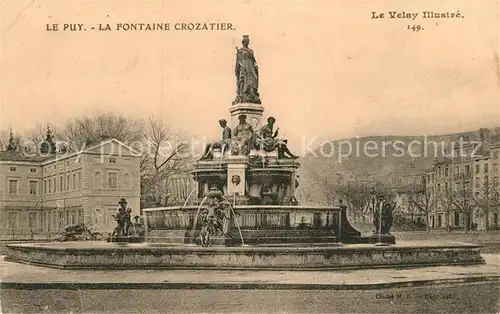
[{"x": 249, "y": 156}]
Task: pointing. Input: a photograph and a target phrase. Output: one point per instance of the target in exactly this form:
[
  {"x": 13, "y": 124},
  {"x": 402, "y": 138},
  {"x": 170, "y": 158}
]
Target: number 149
[{"x": 415, "y": 28}]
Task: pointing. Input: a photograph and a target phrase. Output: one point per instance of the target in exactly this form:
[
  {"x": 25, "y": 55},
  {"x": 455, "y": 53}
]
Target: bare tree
[
  {"x": 36, "y": 135},
  {"x": 82, "y": 132},
  {"x": 486, "y": 200},
  {"x": 357, "y": 195},
  {"x": 461, "y": 199},
  {"x": 167, "y": 154},
  {"x": 422, "y": 201}
]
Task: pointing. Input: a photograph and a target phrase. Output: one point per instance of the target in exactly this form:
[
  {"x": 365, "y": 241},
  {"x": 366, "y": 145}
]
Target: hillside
[{"x": 377, "y": 158}]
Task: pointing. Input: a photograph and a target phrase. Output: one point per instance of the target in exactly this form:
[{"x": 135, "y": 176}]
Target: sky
[{"x": 327, "y": 69}]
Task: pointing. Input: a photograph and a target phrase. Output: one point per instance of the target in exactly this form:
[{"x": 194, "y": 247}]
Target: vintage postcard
[{"x": 249, "y": 156}]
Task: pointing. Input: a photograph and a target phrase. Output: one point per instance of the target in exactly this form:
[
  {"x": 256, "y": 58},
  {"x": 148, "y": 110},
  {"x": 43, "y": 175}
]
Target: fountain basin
[
  {"x": 97, "y": 255},
  {"x": 259, "y": 224}
]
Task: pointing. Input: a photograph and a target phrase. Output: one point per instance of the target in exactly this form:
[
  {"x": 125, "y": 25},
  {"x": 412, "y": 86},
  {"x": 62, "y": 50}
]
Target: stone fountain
[{"x": 245, "y": 214}]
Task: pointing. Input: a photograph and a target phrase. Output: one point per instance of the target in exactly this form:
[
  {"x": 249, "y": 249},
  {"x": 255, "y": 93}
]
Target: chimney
[
  {"x": 485, "y": 138},
  {"x": 104, "y": 137}
]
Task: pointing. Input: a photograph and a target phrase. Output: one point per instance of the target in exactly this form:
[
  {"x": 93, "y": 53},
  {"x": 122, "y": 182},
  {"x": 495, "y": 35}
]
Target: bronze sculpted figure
[
  {"x": 247, "y": 75},
  {"x": 268, "y": 141},
  {"x": 215, "y": 218},
  {"x": 383, "y": 221},
  {"x": 223, "y": 144},
  {"x": 122, "y": 217},
  {"x": 242, "y": 140}
]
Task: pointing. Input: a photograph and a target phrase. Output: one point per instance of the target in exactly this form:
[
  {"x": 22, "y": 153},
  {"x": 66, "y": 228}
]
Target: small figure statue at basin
[
  {"x": 382, "y": 216},
  {"x": 214, "y": 218},
  {"x": 123, "y": 218},
  {"x": 222, "y": 144}
]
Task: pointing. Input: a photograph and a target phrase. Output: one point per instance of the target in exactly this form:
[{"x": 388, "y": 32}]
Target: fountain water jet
[{"x": 235, "y": 220}]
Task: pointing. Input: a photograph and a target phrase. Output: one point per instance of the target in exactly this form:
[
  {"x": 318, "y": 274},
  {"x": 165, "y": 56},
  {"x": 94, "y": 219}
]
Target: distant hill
[{"x": 377, "y": 158}]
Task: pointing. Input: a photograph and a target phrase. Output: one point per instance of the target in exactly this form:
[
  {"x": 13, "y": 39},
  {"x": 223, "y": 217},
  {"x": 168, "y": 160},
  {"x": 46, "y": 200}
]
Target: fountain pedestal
[
  {"x": 252, "y": 111},
  {"x": 236, "y": 178}
]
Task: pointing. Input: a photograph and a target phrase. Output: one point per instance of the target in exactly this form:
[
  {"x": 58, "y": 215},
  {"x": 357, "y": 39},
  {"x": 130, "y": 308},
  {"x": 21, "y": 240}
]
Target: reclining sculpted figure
[
  {"x": 222, "y": 144},
  {"x": 268, "y": 140}
]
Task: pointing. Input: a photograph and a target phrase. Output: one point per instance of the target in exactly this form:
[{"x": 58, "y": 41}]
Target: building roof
[
  {"x": 17, "y": 156},
  {"x": 20, "y": 157}
]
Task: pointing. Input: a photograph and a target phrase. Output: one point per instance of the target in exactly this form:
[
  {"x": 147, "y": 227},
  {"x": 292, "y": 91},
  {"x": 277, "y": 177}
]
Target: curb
[{"x": 241, "y": 286}]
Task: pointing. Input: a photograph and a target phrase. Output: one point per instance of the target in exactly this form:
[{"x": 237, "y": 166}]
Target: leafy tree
[
  {"x": 14, "y": 142},
  {"x": 49, "y": 145}
]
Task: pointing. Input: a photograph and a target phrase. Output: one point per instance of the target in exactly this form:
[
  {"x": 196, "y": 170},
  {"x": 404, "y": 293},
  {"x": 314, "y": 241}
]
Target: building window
[
  {"x": 32, "y": 220},
  {"x": 79, "y": 180},
  {"x": 12, "y": 219},
  {"x": 44, "y": 186},
  {"x": 485, "y": 168},
  {"x": 46, "y": 220},
  {"x": 446, "y": 171},
  {"x": 67, "y": 182},
  {"x": 112, "y": 180},
  {"x": 54, "y": 220},
  {"x": 477, "y": 169},
  {"x": 97, "y": 180},
  {"x": 126, "y": 181},
  {"x": 33, "y": 187},
  {"x": 13, "y": 169},
  {"x": 50, "y": 185},
  {"x": 12, "y": 186},
  {"x": 61, "y": 220},
  {"x": 112, "y": 160},
  {"x": 55, "y": 186},
  {"x": 33, "y": 170},
  {"x": 73, "y": 184},
  {"x": 61, "y": 184},
  {"x": 467, "y": 169}
]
